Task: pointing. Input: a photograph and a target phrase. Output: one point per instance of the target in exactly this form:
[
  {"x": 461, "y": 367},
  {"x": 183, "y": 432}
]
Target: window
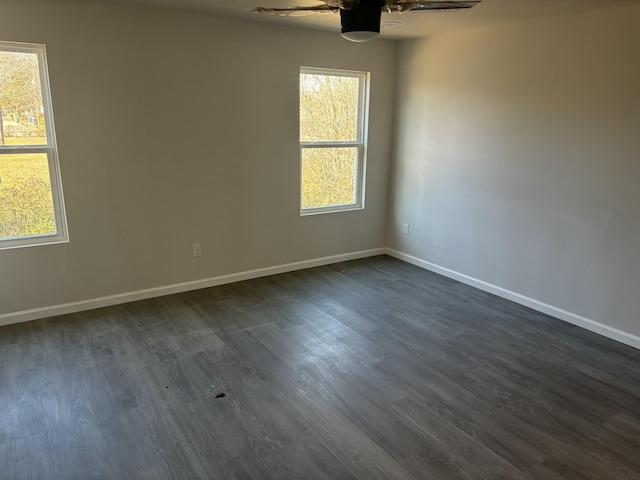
[
  {"x": 333, "y": 116},
  {"x": 31, "y": 204}
]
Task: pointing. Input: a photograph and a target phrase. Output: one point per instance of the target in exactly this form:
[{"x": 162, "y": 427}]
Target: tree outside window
[
  {"x": 333, "y": 109},
  {"x": 31, "y": 205}
]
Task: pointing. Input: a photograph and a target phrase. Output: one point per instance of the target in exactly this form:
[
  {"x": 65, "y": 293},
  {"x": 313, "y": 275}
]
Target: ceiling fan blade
[
  {"x": 346, "y": 4},
  {"x": 451, "y": 5},
  {"x": 296, "y": 11},
  {"x": 429, "y": 5}
]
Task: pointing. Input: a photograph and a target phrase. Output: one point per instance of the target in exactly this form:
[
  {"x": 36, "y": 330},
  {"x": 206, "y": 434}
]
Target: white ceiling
[{"x": 414, "y": 24}]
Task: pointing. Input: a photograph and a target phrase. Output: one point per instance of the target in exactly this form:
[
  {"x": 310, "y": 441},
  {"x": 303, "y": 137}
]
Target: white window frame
[
  {"x": 50, "y": 149},
  {"x": 360, "y": 143}
]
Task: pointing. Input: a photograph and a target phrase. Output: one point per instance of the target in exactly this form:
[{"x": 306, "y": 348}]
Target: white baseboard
[
  {"x": 65, "y": 308},
  {"x": 600, "y": 328},
  {"x": 73, "y": 307}
]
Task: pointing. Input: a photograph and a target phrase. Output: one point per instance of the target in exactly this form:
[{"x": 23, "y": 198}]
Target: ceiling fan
[{"x": 360, "y": 19}]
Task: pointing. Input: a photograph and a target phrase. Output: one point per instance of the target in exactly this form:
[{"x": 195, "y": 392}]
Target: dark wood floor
[{"x": 372, "y": 369}]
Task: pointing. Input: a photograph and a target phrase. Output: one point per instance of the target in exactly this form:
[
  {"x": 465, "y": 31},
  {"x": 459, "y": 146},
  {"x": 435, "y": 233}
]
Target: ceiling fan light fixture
[
  {"x": 360, "y": 36},
  {"x": 362, "y": 23},
  {"x": 360, "y": 19}
]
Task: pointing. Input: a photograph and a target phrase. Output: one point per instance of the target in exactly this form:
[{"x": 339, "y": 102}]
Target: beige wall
[
  {"x": 176, "y": 129},
  {"x": 518, "y": 160},
  {"x": 517, "y": 157}
]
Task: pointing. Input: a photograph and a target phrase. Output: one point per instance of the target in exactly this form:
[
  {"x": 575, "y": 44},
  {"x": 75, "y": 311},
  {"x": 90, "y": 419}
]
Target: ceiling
[{"x": 413, "y": 24}]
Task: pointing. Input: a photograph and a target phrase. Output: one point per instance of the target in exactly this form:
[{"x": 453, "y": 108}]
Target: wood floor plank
[
  {"x": 541, "y": 390},
  {"x": 76, "y": 434},
  {"x": 434, "y": 464},
  {"x": 360, "y": 454},
  {"x": 369, "y": 414},
  {"x": 20, "y": 376},
  {"x": 544, "y": 432},
  {"x": 28, "y": 458},
  {"x": 552, "y": 469},
  {"x": 462, "y": 452},
  {"x": 17, "y": 333},
  {"x": 310, "y": 459},
  {"x": 147, "y": 447},
  {"x": 626, "y": 426}
]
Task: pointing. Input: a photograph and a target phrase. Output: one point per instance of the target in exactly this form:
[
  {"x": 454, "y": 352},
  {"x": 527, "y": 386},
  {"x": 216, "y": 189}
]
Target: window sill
[
  {"x": 319, "y": 211},
  {"x": 36, "y": 241}
]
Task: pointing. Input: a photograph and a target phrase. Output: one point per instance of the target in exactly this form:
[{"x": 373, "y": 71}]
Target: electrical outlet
[
  {"x": 405, "y": 229},
  {"x": 197, "y": 250}
]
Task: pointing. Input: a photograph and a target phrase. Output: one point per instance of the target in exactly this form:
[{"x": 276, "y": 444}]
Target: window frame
[
  {"x": 360, "y": 144},
  {"x": 61, "y": 234}
]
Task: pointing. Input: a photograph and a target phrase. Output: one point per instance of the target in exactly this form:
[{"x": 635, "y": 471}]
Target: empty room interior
[{"x": 239, "y": 242}]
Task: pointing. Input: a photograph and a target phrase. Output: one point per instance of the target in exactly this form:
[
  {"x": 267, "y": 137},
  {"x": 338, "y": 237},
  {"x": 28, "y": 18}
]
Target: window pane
[
  {"x": 21, "y": 109},
  {"x": 26, "y": 203},
  {"x": 328, "y": 108},
  {"x": 328, "y": 176}
]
